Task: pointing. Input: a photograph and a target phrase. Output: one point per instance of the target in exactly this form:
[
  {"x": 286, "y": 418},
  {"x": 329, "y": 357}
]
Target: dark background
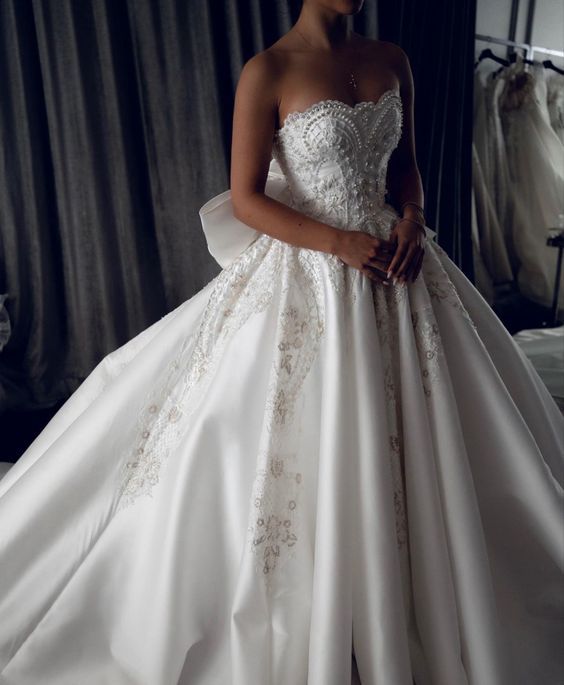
[{"x": 115, "y": 127}]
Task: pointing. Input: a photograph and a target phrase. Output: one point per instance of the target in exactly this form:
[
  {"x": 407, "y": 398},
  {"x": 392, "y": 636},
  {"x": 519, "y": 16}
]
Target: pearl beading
[{"x": 335, "y": 158}]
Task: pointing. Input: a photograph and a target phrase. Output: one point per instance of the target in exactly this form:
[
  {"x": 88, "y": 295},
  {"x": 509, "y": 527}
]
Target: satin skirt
[{"x": 293, "y": 464}]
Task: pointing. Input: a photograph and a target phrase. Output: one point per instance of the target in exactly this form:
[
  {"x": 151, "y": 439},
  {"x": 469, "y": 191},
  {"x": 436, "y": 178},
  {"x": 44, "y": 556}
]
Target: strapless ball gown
[{"x": 294, "y": 465}]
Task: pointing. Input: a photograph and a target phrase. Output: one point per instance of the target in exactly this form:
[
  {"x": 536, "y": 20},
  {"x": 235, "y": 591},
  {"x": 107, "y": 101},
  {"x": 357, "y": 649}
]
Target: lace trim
[
  {"x": 335, "y": 158},
  {"x": 330, "y": 104}
]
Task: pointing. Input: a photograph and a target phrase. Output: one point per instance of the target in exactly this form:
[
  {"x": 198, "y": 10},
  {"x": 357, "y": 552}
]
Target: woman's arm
[
  {"x": 254, "y": 124},
  {"x": 404, "y": 180},
  {"x": 404, "y": 183}
]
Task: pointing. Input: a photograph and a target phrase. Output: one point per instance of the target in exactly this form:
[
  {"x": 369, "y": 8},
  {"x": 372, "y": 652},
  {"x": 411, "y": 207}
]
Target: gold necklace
[{"x": 352, "y": 80}]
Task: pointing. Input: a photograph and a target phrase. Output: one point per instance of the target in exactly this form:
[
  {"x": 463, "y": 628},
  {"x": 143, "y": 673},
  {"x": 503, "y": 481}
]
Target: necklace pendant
[{"x": 352, "y": 80}]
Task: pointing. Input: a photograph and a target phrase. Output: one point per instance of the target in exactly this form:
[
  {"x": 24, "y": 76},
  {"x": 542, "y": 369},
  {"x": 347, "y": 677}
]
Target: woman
[{"x": 334, "y": 448}]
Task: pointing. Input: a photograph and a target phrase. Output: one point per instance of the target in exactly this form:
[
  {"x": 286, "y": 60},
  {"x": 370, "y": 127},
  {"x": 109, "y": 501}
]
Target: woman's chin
[{"x": 346, "y": 7}]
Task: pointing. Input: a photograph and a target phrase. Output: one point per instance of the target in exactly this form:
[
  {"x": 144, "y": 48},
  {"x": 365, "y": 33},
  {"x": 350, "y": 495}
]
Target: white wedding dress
[
  {"x": 490, "y": 179},
  {"x": 536, "y": 162},
  {"x": 294, "y": 463}
]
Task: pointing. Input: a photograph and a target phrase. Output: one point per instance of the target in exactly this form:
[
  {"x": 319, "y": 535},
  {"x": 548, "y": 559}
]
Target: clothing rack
[{"x": 530, "y": 49}]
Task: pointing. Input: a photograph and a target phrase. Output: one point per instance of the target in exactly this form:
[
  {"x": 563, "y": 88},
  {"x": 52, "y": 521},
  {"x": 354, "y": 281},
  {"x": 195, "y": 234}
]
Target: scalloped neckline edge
[{"x": 296, "y": 114}]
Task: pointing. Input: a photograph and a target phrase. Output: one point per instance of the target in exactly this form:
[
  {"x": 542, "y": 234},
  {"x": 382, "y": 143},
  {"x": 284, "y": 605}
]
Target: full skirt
[{"x": 293, "y": 464}]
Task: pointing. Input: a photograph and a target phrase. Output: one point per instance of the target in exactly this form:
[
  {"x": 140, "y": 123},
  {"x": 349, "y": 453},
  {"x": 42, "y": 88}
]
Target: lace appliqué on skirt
[
  {"x": 387, "y": 302},
  {"x": 244, "y": 288},
  {"x": 429, "y": 346},
  {"x": 275, "y": 518},
  {"x": 439, "y": 285}
]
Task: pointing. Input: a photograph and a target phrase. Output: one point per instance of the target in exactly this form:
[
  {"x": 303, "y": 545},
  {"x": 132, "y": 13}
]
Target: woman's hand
[
  {"x": 408, "y": 238},
  {"x": 367, "y": 253}
]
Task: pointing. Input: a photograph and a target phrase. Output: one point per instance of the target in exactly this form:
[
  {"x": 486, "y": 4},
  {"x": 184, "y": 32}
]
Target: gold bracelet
[
  {"x": 414, "y": 204},
  {"x": 419, "y": 214}
]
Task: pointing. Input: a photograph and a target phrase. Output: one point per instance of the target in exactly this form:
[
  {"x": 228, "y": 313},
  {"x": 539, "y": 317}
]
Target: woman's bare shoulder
[
  {"x": 381, "y": 47},
  {"x": 262, "y": 67},
  {"x": 258, "y": 81}
]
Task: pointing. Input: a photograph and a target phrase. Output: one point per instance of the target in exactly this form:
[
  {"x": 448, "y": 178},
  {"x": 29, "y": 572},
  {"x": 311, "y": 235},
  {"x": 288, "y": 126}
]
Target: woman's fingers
[
  {"x": 386, "y": 246},
  {"x": 401, "y": 260},
  {"x": 375, "y": 274},
  {"x": 418, "y": 266},
  {"x": 380, "y": 262},
  {"x": 398, "y": 258},
  {"x": 375, "y": 265},
  {"x": 409, "y": 255},
  {"x": 389, "y": 256}
]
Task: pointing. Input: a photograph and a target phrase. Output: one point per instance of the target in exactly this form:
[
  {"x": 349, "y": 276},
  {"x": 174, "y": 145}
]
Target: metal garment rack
[{"x": 530, "y": 49}]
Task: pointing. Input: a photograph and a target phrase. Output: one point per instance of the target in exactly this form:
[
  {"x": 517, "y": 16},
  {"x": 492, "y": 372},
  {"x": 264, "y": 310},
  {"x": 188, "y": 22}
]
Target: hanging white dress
[
  {"x": 492, "y": 244},
  {"x": 536, "y": 163},
  {"x": 487, "y": 181},
  {"x": 482, "y": 278},
  {"x": 294, "y": 463}
]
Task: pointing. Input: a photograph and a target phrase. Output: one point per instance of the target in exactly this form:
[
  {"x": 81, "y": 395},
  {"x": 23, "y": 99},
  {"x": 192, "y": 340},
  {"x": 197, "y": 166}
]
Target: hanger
[
  {"x": 488, "y": 54},
  {"x": 548, "y": 64},
  {"x": 513, "y": 59}
]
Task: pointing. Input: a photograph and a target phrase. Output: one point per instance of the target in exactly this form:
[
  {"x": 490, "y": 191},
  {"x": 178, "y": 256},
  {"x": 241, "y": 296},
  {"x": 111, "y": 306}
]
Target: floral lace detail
[
  {"x": 274, "y": 526},
  {"x": 429, "y": 346},
  {"x": 335, "y": 159},
  {"x": 398, "y": 474},
  {"x": 439, "y": 285},
  {"x": 243, "y": 289},
  {"x": 387, "y": 302}
]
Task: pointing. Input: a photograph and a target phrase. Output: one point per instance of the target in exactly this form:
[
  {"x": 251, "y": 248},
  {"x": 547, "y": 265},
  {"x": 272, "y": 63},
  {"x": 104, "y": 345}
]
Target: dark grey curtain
[
  {"x": 438, "y": 36},
  {"x": 115, "y": 126}
]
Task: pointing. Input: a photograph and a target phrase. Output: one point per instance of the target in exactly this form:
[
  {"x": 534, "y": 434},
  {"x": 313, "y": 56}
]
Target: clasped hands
[{"x": 394, "y": 260}]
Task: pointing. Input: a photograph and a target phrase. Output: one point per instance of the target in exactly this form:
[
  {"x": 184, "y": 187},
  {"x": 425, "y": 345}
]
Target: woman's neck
[{"x": 323, "y": 29}]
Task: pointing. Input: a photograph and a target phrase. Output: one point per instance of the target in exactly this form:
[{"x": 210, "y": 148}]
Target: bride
[{"x": 332, "y": 458}]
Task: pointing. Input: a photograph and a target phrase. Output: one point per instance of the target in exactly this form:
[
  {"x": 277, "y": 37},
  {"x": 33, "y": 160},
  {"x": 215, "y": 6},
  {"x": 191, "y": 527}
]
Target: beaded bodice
[{"x": 335, "y": 156}]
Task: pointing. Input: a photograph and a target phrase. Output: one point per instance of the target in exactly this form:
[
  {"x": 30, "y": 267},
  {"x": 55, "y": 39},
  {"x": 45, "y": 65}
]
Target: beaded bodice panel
[{"x": 335, "y": 156}]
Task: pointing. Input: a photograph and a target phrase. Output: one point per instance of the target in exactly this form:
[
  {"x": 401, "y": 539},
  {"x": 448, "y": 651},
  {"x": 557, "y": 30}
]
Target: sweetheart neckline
[{"x": 296, "y": 114}]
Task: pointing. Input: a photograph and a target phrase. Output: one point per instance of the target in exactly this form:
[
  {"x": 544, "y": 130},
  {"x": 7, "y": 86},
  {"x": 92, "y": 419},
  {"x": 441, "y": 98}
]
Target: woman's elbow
[
  {"x": 237, "y": 204},
  {"x": 242, "y": 203}
]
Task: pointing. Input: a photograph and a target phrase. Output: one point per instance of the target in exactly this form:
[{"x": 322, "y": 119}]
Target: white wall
[{"x": 493, "y": 18}]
